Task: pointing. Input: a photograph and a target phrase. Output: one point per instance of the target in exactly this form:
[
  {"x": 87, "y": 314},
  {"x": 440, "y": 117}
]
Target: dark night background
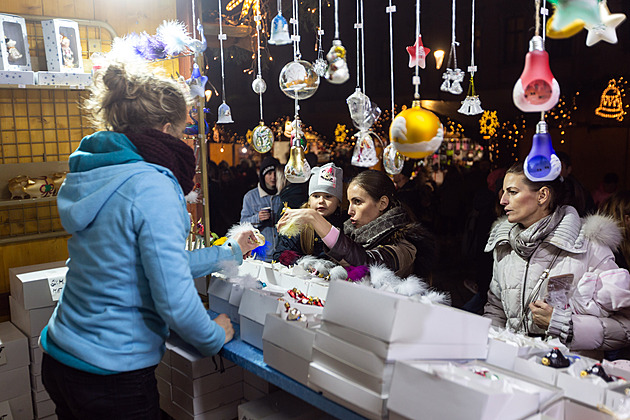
[{"x": 503, "y": 30}]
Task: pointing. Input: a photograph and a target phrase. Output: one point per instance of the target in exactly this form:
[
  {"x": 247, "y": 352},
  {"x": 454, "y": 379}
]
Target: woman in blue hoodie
[{"x": 129, "y": 277}]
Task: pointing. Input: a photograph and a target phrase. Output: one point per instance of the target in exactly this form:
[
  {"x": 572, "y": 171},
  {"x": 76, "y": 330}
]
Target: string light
[{"x": 611, "y": 101}]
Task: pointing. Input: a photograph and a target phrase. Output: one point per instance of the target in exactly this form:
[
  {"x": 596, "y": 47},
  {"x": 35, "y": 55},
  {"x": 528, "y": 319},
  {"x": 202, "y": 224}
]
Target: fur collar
[{"x": 572, "y": 234}]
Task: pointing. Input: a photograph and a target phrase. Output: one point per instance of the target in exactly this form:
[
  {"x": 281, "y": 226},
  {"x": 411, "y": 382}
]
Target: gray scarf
[
  {"x": 378, "y": 229},
  {"x": 525, "y": 241}
]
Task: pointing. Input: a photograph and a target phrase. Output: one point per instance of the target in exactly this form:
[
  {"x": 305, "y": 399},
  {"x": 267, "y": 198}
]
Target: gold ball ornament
[{"x": 416, "y": 132}]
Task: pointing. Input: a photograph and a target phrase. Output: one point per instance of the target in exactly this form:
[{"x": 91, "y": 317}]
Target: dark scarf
[
  {"x": 167, "y": 151},
  {"x": 525, "y": 241},
  {"x": 378, "y": 229}
]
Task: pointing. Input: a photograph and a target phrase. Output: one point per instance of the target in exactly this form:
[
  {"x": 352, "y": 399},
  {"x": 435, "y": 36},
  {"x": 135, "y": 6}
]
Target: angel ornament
[{"x": 12, "y": 51}]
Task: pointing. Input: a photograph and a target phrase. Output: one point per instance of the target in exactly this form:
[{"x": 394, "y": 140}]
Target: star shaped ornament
[
  {"x": 418, "y": 53},
  {"x": 567, "y": 11},
  {"x": 606, "y": 30}
]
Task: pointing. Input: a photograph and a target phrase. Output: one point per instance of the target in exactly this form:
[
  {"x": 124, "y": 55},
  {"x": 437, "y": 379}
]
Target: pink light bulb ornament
[{"x": 536, "y": 90}]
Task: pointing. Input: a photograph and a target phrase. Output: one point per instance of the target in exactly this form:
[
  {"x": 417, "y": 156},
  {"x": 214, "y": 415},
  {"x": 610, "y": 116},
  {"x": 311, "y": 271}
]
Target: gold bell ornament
[{"x": 297, "y": 170}]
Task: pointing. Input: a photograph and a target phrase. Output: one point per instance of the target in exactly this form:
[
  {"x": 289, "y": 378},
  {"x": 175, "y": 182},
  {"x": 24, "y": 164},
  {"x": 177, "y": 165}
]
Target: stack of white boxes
[
  {"x": 355, "y": 350},
  {"x": 192, "y": 387},
  {"x": 15, "y": 394},
  {"x": 35, "y": 291}
]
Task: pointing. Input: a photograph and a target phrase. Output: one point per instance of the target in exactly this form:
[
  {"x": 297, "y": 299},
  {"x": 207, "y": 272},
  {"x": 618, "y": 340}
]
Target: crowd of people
[{"x": 545, "y": 258}]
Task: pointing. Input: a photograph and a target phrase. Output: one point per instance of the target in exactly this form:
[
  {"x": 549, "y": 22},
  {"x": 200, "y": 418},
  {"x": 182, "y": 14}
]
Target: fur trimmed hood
[{"x": 572, "y": 234}]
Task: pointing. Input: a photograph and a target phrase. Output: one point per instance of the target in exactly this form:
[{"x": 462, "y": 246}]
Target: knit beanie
[
  {"x": 268, "y": 164},
  {"x": 327, "y": 179}
]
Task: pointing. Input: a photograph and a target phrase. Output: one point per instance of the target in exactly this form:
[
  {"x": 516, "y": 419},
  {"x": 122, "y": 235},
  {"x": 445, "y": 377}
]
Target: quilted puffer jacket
[{"x": 582, "y": 246}]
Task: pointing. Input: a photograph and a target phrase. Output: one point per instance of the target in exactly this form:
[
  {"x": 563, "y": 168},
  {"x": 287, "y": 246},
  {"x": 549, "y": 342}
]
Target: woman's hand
[
  {"x": 247, "y": 241},
  {"x": 541, "y": 313},
  {"x": 224, "y": 322}
]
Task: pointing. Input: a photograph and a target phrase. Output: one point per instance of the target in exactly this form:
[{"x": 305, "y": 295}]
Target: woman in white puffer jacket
[{"x": 539, "y": 240}]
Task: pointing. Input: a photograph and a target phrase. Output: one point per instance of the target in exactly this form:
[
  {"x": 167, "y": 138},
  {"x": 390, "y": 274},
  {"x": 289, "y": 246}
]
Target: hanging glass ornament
[
  {"x": 453, "y": 76},
  {"x": 320, "y": 65},
  {"x": 337, "y": 72},
  {"x": 225, "y": 114},
  {"x": 363, "y": 111},
  {"x": 471, "y": 105},
  {"x": 259, "y": 86},
  {"x": 393, "y": 161},
  {"x": 299, "y": 80},
  {"x": 447, "y": 76},
  {"x": 536, "y": 89},
  {"x": 416, "y": 132},
  {"x": 542, "y": 163},
  {"x": 262, "y": 138},
  {"x": 279, "y": 29},
  {"x": 297, "y": 170},
  {"x": 364, "y": 154}
]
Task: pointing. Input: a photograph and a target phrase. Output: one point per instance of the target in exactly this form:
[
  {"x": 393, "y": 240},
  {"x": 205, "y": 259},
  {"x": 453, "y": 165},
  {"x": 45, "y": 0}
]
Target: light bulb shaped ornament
[
  {"x": 337, "y": 72},
  {"x": 416, "y": 132},
  {"x": 393, "y": 161},
  {"x": 298, "y": 79},
  {"x": 536, "y": 90},
  {"x": 279, "y": 31},
  {"x": 225, "y": 114},
  {"x": 542, "y": 163},
  {"x": 297, "y": 170},
  {"x": 262, "y": 138}
]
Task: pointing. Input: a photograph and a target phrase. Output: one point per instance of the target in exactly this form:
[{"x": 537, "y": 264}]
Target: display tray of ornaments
[{"x": 62, "y": 45}]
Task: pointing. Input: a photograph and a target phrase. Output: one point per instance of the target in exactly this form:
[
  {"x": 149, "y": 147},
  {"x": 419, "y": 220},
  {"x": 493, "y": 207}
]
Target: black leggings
[{"x": 80, "y": 395}]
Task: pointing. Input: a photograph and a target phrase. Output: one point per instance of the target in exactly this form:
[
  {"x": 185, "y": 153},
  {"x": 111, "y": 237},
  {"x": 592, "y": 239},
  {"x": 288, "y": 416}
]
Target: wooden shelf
[
  {"x": 58, "y": 87},
  {"x": 25, "y": 201}
]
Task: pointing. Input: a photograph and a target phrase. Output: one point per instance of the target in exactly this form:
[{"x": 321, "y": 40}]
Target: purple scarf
[{"x": 167, "y": 151}]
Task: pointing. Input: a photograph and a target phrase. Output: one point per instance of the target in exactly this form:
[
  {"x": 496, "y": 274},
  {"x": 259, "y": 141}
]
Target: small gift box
[
  {"x": 62, "y": 45},
  {"x": 14, "y": 44}
]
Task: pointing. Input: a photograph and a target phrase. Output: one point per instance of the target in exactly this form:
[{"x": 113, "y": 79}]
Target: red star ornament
[{"x": 418, "y": 53}]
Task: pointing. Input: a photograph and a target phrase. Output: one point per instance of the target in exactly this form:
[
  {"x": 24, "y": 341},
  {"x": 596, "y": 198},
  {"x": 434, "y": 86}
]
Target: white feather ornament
[{"x": 175, "y": 37}]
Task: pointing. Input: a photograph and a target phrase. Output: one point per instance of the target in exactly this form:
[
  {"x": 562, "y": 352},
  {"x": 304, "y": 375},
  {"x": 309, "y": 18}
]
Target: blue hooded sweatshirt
[{"x": 129, "y": 277}]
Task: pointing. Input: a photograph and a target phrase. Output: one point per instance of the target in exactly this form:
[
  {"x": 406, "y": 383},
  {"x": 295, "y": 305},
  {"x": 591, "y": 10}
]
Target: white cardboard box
[
  {"x": 191, "y": 363},
  {"x": 164, "y": 387},
  {"x": 228, "y": 411},
  {"x": 251, "y": 393},
  {"x": 163, "y": 371},
  {"x": 13, "y": 77},
  {"x": 279, "y": 405},
  {"x": 286, "y": 362},
  {"x": 21, "y": 407},
  {"x": 457, "y": 393},
  {"x": 36, "y": 355},
  {"x": 62, "y": 57},
  {"x": 44, "y": 408},
  {"x": 346, "y": 393},
  {"x": 13, "y": 348},
  {"x": 220, "y": 291},
  {"x": 435, "y": 331},
  {"x": 208, "y": 383},
  {"x": 566, "y": 409},
  {"x": 353, "y": 363},
  {"x": 536, "y": 370},
  {"x": 14, "y": 383},
  {"x": 319, "y": 288},
  {"x": 257, "y": 382},
  {"x": 52, "y": 78},
  {"x": 250, "y": 266},
  {"x": 209, "y": 401},
  {"x": 292, "y": 336},
  {"x": 582, "y": 389},
  {"x": 39, "y": 396},
  {"x": 36, "y": 382},
  {"x": 30, "y": 322},
  {"x": 14, "y": 28},
  {"x": 255, "y": 305},
  {"x": 30, "y": 284}
]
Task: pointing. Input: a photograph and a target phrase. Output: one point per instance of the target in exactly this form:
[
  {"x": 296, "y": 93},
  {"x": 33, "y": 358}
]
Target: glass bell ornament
[
  {"x": 298, "y": 79},
  {"x": 416, "y": 132},
  {"x": 542, "y": 163},
  {"x": 536, "y": 89},
  {"x": 259, "y": 85},
  {"x": 279, "y": 31},
  {"x": 262, "y": 138},
  {"x": 297, "y": 170},
  {"x": 364, "y": 154},
  {"x": 457, "y": 77},
  {"x": 393, "y": 161},
  {"x": 225, "y": 114},
  {"x": 337, "y": 72},
  {"x": 471, "y": 105}
]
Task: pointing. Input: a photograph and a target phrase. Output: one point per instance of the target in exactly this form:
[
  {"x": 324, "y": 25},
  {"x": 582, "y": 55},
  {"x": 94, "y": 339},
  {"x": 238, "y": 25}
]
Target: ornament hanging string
[
  {"x": 320, "y": 32},
  {"x": 390, "y": 10},
  {"x": 542, "y": 11},
  {"x": 296, "y": 32},
  {"x": 472, "y": 68},
  {"x": 336, "y": 19},
  {"x": 362, "y": 46},
  {"x": 194, "y": 24},
  {"x": 416, "y": 78},
  {"x": 452, "y": 55},
  {"x": 258, "y": 19},
  {"x": 221, "y": 38}
]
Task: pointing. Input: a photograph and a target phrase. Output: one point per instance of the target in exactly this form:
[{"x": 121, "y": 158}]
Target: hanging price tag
[
  {"x": 56, "y": 281},
  {"x": 3, "y": 355},
  {"x": 5, "y": 411}
]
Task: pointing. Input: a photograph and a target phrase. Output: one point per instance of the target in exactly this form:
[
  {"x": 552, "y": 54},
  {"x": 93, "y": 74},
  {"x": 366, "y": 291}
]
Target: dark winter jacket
[{"x": 392, "y": 240}]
